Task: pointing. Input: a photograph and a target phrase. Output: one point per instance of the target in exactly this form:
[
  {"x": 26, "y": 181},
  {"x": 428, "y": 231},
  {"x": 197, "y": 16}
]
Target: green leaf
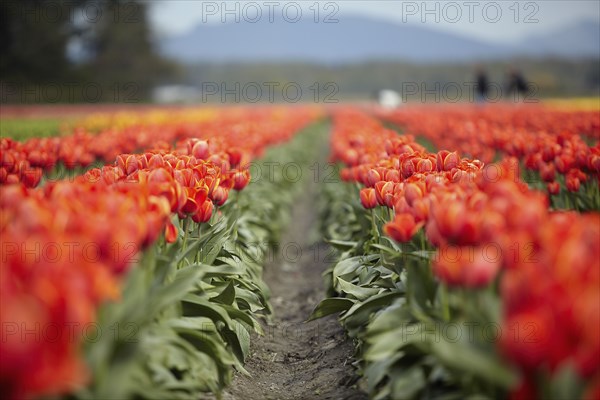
[
  {"x": 388, "y": 249},
  {"x": 375, "y": 372},
  {"x": 341, "y": 244},
  {"x": 424, "y": 254},
  {"x": 244, "y": 317},
  {"x": 330, "y": 306},
  {"x": 407, "y": 383},
  {"x": 219, "y": 270},
  {"x": 385, "y": 345},
  {"x": 348, "y": 266},
  {"x": 249, "y": 300},
  {"x": 184, "y": 281},
  {"x": 392, "y": 317},
  {"x": 469, "y": 359},
  {"x": 211, "y": 247},
  {"x": 227, "y": 296},
  {"x": 566, "y": 384},
  {"x": 373, "y": 303},
  {"x": 359, "y": 292},
  {"x": 209, "y": 344},
  {"x": 239, "y": 340},
  {"x": 197, "y": 306},
  {"x": 191, "y": 248},
  {"x": 197, "y": 323}
]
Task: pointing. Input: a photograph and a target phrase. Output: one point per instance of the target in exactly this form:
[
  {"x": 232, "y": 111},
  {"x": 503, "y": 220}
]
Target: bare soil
[{"x": 296, "y": 360}]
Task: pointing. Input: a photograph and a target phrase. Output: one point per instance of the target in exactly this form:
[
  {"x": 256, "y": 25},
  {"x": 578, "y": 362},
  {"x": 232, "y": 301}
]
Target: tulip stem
[
  {"x": 186, "y": 223},
  {"x": 445, "y": 302},
  {"x": 374, "y": 224},
  {"x": 197, "y": 256}
]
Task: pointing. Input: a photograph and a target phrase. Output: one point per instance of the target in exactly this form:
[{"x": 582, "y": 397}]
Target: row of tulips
[
  {"x": 67, "y": 246},
  {"x": 492, "y": 235},
  {"x": 547, "y": 140},
  {"x": 228, "y": 131}
]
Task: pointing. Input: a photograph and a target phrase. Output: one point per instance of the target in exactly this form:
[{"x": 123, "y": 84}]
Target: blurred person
[
  {"x": 482, "y": 85},
  {"x": 516, "y": 85}
]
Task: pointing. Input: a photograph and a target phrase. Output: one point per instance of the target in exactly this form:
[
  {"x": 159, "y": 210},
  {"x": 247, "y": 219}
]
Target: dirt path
[{"x": 297, "y": 360}]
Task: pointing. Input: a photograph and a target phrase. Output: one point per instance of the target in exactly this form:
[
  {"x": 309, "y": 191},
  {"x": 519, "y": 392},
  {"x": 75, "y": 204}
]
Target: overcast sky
[{"x": 498, "y": 21}]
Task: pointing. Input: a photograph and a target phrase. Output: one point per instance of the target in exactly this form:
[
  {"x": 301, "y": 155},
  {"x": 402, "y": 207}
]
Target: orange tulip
[
  {"x": 402, "y": 228},
  {"x": 368, "y": 198},
  {"x": 467, "y": 266},
  {"x": 200, "y": 150}
]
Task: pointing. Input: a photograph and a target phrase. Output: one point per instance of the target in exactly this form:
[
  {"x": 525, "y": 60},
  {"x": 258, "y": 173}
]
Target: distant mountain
[
  {"x": 577, "y": 40},
  {"x": 357, "y": 39}
]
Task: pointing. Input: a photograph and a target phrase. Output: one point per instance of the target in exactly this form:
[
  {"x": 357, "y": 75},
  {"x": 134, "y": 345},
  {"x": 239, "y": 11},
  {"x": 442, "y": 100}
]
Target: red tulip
[
  {"x": 547, "y": 172},
  {"x": 170, "y": 232},
  {"x": 241, "y": 179},
  {"x": 235, "y": 156},
  {"x": 553, "y": 188},
  {"x": 219, "y": 195},
  {"x": 467, "y": 266},
  {"x": 573, "y": 183}
]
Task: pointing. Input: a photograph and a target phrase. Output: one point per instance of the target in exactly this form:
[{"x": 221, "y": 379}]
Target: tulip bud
[
  {"x": 131, "y": 164},
  {"x": 170, "y": 232},
  {"x": 31, "y": 177},
  {"x": 412, "y": 191},
  {"x": 594, "y": 163},
  {"x": 384, "y": 192},
  {"x": 451, "y": 161},
  {"x": 372, "y": 177},
  {"x": 402, "y": 228},
  {"x": 241, "y": 179},
  {"x": 200, "y": 150},
  {"x": 471, "y": 267},
  {"x": 392, "y": 175},
  {"x": 235, "y": 156},
  {"x": 424, "y": 165},
  {"x": 553, "y": 187},
  {"x": 563, "y": 163},
  {"x": 204, "y": 212},
  {"x": 407, "y": 168},
  {"x": 156, "y": 161},
  {"x": 547, "y": 172},
  {"x": 368, "y": 198},
  {"x": 346, "y": 175},
  {"x": 219, "y": 195},
  {"x": 573, "y": 183}
]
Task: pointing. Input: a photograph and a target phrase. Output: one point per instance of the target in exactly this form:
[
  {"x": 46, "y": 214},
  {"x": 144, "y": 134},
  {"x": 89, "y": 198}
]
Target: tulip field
[{"x": 464, "y": 262}]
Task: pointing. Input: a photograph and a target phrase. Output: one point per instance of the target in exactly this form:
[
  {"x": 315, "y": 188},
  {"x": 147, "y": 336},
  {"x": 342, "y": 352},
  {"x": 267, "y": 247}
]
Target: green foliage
[
  {"x": 189, "y": 308},
  {"x": 27, "y": 128},
  {"x": 416, "y": 338}
]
